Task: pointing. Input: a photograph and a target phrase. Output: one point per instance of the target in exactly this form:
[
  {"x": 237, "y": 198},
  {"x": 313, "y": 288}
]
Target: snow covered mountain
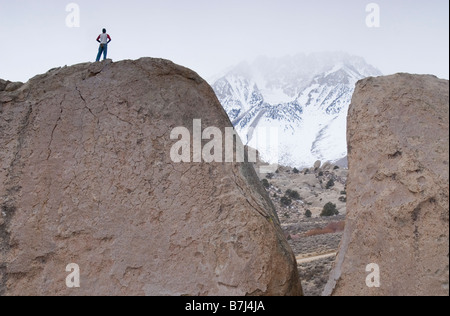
[{"x": 301, "y": 100}]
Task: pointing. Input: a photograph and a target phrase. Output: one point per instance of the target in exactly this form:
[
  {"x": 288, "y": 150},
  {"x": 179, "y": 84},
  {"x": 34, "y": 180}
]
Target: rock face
[
  {"x": 398, "y": 189},
  {"x": 317, "y": 164},
  {"x": 86, "y": 177}
]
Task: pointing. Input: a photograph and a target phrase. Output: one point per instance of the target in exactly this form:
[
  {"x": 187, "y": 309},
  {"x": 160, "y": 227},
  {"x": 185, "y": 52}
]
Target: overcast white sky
[{"x": 210, "y": 35}]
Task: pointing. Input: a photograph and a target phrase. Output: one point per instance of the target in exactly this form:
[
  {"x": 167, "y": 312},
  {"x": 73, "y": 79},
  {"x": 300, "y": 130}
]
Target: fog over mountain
[{"x": 301, "y": 100}]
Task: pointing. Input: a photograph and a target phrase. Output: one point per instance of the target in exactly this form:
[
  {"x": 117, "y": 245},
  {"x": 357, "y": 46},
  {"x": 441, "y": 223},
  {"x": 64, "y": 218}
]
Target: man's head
[{"x": 104, "y": 30}]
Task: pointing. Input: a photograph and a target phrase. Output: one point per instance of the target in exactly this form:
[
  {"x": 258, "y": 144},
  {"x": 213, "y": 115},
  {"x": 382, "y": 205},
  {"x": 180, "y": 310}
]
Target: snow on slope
[{"x": 302, "y": 99}]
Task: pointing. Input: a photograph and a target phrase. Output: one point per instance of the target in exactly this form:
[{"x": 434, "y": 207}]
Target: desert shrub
[
  {"x": 321, "y": 174},
  {"x": 275, "y": 195},
  {"x": 269, "y": 176},
  {"x": 329, "y": 184},
  {"x": 343, "y": 192},
  {"x": 336, "y": 168},
  {"x": 296, "y": 171},
  {"x": 343, "y": 199},
  {"x": 329, "y": 210},
  {"x": 293, "y": 195},
  {"x": 286, "y": 201},
  {"x": 308, "y": 214},
  {"x": 265, "y": 183}
]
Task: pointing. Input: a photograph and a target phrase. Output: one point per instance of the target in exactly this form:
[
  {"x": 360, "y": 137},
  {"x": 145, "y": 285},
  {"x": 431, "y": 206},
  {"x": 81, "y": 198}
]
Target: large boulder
[
  {"x": 397, "y": 229},
  {"x": 317, "y": 164},
  {"x": 86, "y": 177}
]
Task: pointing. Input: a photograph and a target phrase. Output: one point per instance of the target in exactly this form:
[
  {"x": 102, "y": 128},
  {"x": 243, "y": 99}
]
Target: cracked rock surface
[
  {"x": 397, "y": 189},
  {"x": 86, "y": 177}
]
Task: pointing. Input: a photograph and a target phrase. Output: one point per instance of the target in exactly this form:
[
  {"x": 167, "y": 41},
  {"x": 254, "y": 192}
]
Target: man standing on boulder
[{"x": 104, "y": 40}]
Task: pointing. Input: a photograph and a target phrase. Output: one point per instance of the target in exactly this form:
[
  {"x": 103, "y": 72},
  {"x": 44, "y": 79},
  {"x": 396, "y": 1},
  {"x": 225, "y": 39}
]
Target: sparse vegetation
[
  {"x": 329, "y": 210},
  {"x": 285, "y": 201},
  {"x": 293, "y": 195},
  {"x": 299, "y": 199},
  {"x": 329, "y": 184}
]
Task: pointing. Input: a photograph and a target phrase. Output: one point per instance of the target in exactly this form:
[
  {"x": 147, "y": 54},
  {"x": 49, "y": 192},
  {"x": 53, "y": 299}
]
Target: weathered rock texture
[
  {"x": 86, "y": 178},
  {"x": 398, "y": 188}
]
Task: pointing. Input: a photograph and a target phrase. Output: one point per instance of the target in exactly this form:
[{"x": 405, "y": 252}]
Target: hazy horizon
[{"x": 211, "y": 36}]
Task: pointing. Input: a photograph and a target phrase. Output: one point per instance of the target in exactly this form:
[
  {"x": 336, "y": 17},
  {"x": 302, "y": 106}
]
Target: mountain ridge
[{"x": 303, "y": 97}]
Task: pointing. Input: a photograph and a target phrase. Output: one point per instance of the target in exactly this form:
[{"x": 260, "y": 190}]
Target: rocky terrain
[
  {"x": 314, "y": 240},
  {"x": 87, "y": 177},
  {"x": 398, "y": 190}
]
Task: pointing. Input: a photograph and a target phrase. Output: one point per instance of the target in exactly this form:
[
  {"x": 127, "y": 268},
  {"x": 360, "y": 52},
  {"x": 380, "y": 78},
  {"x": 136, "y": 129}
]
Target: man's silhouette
[{"x": 104, "y": 40}]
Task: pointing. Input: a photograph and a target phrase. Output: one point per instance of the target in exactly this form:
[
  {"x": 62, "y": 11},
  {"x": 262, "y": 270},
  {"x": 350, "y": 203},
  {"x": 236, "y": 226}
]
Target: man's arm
[
  {"x": 98, "y": 39},
  {"x": 109, "y": 39}
]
